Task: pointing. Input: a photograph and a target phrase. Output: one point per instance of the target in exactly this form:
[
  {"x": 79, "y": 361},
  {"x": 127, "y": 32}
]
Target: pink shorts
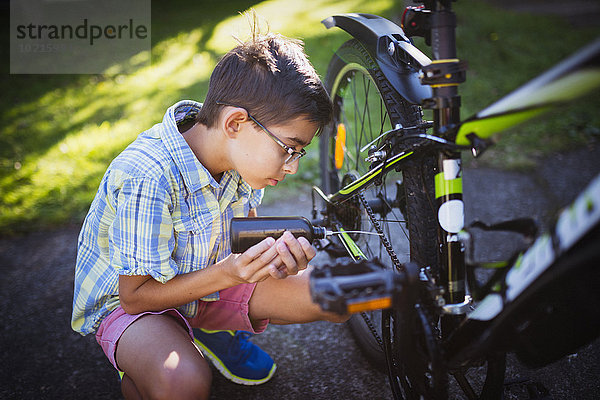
[{"x": 230, "y": 312}]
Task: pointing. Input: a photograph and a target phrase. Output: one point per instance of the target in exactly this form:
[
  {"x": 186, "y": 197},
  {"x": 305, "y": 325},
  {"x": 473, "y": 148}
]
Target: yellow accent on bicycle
[{"x": 340, "y": 146}]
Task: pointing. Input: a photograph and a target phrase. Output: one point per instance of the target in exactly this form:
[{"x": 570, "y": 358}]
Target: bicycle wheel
[{"x": 365, "y": 106}]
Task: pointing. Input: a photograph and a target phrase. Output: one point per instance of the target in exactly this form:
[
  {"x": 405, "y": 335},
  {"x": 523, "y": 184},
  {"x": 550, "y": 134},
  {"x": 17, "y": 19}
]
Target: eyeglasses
[{"x": 293, "y": 154}]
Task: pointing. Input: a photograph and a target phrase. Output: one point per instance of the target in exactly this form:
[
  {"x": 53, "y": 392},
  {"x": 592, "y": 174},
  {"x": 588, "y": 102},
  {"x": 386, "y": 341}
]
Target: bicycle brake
[{"x": 352, "y": 287}]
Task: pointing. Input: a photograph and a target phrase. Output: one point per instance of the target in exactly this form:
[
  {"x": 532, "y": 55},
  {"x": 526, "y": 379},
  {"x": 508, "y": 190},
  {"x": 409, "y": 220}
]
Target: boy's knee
[{"x": 188, "y": 380}]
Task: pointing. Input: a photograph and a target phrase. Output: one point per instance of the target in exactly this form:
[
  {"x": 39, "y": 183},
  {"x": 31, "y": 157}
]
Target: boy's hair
[{"x": 270, "y": 76}]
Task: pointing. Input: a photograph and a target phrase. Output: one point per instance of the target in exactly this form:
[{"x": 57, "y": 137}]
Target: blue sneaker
[{"x": 238, "y": 359}]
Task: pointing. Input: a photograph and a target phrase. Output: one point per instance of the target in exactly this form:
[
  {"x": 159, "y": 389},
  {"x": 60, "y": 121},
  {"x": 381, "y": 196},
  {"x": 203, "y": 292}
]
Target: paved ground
[{"x": 42, "y": 358}]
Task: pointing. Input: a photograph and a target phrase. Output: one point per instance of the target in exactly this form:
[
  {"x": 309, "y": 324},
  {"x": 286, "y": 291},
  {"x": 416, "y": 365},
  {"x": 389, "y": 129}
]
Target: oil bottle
[{"x": 246, "y": 232}]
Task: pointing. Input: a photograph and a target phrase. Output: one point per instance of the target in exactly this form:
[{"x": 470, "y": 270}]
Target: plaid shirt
[{"x": 157, "y": 212}]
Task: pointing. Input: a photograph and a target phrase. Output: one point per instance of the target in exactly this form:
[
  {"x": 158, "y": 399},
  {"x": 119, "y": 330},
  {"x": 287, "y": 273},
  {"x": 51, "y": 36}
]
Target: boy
[{"x": 154, "y": 257}]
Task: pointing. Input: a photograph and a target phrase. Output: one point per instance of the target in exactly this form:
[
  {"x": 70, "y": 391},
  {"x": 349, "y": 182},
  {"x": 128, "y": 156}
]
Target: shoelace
[{"x": 240, "y": 346}]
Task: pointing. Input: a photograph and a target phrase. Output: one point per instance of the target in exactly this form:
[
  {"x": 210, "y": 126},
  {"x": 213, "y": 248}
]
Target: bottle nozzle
[{"x": 329, "y": 233}]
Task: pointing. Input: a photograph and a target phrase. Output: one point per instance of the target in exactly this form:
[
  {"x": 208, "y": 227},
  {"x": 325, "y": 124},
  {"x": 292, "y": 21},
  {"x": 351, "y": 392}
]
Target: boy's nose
[{"x": 291, "y": 168}]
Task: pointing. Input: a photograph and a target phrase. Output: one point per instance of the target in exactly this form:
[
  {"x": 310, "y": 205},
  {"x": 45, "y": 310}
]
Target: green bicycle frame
[{"x": 574, "y": 77}]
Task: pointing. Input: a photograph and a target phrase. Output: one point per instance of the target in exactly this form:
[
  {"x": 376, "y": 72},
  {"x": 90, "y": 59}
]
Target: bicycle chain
[
  {"x": 373, "y": 330},
  {"x": 388, "y": 247},
  {"x": 384, "y": 240}
]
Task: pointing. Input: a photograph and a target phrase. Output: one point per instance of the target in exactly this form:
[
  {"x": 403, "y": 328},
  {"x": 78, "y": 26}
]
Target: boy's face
[{"x": 261, "y": 160}]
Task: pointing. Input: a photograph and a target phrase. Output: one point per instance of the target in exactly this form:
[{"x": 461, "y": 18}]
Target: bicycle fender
[{"x": 395, "y": 55}]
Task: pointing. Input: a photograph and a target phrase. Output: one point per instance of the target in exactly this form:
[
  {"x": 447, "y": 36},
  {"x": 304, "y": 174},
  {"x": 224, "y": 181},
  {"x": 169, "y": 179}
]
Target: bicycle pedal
[{"x": 353, "y": 287}]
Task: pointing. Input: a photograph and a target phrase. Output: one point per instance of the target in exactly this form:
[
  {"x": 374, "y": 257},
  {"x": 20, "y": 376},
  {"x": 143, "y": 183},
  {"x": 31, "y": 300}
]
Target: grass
[{"x": 60, "y": 132}]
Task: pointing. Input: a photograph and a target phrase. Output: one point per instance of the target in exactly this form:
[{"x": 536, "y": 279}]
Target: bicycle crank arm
[{"x": 353, "y": 287}]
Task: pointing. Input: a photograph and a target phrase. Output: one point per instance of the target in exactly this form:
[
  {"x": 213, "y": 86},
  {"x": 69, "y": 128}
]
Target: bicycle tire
[{"x": 357, "y": 86}]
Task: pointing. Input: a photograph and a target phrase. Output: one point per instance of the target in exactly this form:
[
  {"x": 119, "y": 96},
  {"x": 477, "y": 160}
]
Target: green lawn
[{"x": 60, "y": 132}]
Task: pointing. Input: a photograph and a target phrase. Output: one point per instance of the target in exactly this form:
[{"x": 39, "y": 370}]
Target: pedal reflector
[{"x": 369, "y": 305}]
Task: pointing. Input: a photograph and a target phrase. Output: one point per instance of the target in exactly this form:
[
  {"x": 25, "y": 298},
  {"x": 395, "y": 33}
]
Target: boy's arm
[
  {"x": 144, "y": 207},
  {"x": 140, "y": 293},
  {"x": 141, "y": 245},
  {"x": 269, "y": 258}
]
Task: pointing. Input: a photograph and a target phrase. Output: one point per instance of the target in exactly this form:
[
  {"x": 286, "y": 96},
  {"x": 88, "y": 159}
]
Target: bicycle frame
[
  {"x": 401, "y": 62},
  {"x": 434, "y": 84},
  {"x": 527, "y": 281}
]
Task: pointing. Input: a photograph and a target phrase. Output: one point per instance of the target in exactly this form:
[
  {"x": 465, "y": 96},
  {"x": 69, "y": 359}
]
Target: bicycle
[{"x": 419, "y": 308}]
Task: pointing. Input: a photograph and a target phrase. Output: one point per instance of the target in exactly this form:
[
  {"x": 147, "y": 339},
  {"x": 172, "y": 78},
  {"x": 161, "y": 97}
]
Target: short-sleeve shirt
[{"x": 158, "y": 212}]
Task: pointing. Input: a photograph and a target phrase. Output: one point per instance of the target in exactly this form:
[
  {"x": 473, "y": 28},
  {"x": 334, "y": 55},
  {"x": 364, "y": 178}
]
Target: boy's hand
[
  {"x": 294, "y": 255},
  {"x": 278, "y": 259},
  {"x": 254, "y": 264}
]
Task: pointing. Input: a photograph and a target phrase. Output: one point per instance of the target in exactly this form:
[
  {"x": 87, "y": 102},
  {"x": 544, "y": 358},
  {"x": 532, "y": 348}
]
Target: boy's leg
[
  {"x": 160, "y": 359},
  {"x": 287, "y": 301},
  {"x": 231, "y": 351}
]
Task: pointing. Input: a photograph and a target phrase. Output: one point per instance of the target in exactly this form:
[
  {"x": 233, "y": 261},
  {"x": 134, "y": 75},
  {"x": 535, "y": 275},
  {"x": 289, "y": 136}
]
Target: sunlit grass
[
  {"x": 59, "y": 133},
  {"x": 84, "y": 127},
  {"x": 55, "y": 148}
]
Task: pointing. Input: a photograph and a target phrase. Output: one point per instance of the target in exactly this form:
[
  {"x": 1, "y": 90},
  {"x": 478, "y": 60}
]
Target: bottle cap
[{"x": 320, "y": 232}]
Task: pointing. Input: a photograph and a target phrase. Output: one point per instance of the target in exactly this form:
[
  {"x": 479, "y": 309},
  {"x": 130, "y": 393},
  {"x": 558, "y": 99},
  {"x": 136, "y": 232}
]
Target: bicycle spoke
[
  {"x": 366, "y": 111},
  {"x": 363, "y": 126},
  {"x": 347, "y": 153},
  {"x": 389, "y": 221}
]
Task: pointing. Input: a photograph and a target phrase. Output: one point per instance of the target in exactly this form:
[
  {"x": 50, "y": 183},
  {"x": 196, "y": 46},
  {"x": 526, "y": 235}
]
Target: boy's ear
[{"x": 231, "y": 121}]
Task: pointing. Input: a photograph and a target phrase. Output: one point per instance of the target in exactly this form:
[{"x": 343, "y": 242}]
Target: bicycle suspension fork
[{"x": 444, "y": 75}]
